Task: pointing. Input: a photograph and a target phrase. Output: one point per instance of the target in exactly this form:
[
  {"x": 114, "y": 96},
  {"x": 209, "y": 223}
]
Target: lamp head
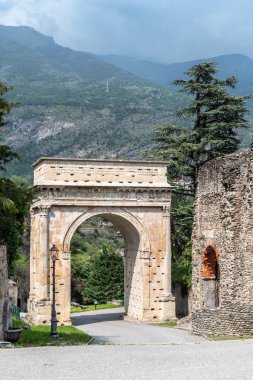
[{"x": 54, "y": 252}]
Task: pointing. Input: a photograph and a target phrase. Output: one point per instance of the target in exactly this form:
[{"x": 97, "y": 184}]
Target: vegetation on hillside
[{"x": 75, "y": 104}]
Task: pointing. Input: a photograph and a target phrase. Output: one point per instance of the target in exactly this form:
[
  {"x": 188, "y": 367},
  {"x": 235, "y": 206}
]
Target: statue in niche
[
  {"x": 210, "y": 265},
  {"x": 210, "y": 274}
]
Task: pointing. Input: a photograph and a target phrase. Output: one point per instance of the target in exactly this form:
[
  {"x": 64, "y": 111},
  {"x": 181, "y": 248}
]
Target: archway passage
[
  {"x": 128, "y": 246},
  {"x": 97, "y": 264},
  {"x": 135, "y": 197}
]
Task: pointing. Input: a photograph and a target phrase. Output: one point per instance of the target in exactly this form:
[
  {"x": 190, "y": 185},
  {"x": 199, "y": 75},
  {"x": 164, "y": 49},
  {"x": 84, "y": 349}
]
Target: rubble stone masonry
[{"x": 222, "y": 282}]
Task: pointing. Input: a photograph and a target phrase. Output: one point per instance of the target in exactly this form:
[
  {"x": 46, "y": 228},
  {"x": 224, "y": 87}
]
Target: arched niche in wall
[{"x": 210, "y": 274}]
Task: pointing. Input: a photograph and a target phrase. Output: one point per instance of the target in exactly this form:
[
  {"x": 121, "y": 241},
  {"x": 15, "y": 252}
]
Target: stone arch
[
  {"x": 135, "y": 197},
  {"x": 127, "y": 223}
]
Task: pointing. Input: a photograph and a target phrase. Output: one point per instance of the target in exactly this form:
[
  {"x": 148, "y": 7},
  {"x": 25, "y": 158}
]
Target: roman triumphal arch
[{"x": 135, "y": 197}]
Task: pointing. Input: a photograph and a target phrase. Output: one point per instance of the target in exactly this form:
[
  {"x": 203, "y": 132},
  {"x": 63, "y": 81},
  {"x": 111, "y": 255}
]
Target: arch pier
[{"x": 135, "y": 197}]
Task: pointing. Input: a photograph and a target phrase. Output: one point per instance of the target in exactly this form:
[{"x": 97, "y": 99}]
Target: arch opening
[
  {"x": 97, "y": 263},
  {"x": 133, "y": 246}
]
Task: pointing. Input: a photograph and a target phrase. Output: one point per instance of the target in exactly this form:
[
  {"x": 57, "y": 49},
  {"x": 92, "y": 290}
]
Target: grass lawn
[
  {"x": 165, "y": 324},
  {"x": 229, "y": 337},
  {"x": 78, "y": 309},
  {"x": 40, "y": 336}
]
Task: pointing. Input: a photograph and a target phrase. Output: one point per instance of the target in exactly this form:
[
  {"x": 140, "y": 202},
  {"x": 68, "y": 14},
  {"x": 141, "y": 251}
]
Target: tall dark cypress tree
[{"x": 216, "y": 116}]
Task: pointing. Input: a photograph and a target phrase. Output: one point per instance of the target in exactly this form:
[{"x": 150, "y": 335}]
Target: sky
[{"x": 158, "y": 30}]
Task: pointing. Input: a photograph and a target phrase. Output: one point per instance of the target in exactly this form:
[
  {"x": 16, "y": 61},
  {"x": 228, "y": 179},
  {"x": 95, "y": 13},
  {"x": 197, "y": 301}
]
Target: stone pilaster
[{"x": 167, "y": 299}]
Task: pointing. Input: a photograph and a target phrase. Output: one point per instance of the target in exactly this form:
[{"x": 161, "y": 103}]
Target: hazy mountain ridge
[{"x": 237, "y": 65}]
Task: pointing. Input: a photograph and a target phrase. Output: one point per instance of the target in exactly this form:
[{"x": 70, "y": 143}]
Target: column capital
[
  {"x": 43, "y": 210},
  {"x": 166, "y": 211}
]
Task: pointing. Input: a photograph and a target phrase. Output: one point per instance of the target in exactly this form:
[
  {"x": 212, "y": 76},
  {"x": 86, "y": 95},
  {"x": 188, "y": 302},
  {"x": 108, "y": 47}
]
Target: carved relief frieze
[{"x": 83, "y": 193}]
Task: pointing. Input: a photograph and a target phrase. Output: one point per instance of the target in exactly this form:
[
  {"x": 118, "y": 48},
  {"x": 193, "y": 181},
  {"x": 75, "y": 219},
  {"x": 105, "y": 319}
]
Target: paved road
[
  {"x": 231, "y": 360},
  {"x": 108, "y": 326},
  {"x": 135, "y": 352}
]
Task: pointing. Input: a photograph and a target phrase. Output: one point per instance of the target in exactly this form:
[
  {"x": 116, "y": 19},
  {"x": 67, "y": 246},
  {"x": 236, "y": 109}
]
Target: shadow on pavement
[{"x": 85, "y": 319}]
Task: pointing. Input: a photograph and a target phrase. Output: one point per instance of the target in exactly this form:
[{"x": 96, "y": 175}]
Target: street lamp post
[{"x": 54, "y": 256}]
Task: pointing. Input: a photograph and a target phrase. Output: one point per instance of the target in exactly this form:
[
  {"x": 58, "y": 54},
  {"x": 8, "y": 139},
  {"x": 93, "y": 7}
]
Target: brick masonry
[{"x": 223, "y": 225}]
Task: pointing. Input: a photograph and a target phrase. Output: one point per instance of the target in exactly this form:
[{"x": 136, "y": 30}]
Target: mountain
[
  {"x": 238, "y": 65},
  {"x": 153, "y": 71},
  {"x": 25, "y": 49},
  {"x": 75, "y": 104}
]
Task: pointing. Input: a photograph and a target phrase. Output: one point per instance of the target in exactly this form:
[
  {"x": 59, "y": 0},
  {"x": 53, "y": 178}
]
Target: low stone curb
[
  {"x": 90, "y": 341},
  {"x": 5, "y": 345}
]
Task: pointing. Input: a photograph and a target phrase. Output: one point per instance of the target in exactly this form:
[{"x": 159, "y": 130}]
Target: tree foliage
[
  {"x": 106, "y": 276},
  {"x": 89, "y": 241},
  {"x": 14, "y": 192},
  {"x": 181, "y": 230},
  {"x": 15, "y": 196},
  {"x": 216, "y": 117}
]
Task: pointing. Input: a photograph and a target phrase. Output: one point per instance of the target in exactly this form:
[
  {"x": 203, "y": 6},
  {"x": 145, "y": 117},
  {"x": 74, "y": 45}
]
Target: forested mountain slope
[{"x": 76, "y": 104}]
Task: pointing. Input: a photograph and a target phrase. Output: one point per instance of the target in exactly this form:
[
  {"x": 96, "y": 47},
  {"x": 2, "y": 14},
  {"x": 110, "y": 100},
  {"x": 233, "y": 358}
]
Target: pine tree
[
  {"x": 217, "y": 116},
  {"x": 106, "y": 276}
]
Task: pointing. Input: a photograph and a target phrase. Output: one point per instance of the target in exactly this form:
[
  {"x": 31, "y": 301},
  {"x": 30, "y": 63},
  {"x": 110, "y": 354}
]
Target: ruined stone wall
[{"x": 223, "y": 247}]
